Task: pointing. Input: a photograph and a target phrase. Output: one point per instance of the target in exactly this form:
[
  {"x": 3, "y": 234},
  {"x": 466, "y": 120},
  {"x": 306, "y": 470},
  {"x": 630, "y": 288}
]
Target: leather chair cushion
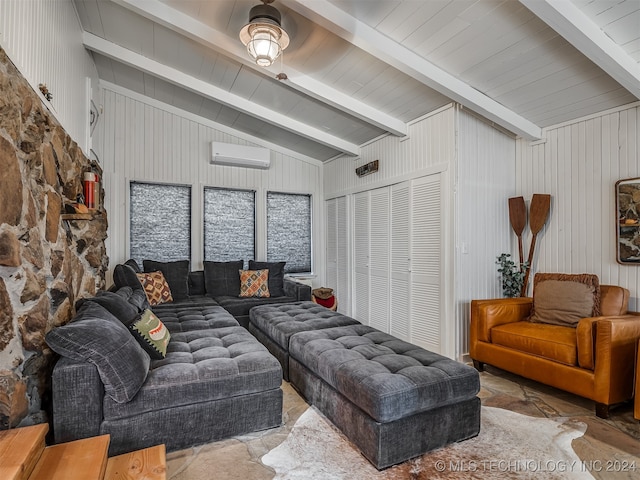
[{"x": 554, "y": 342}]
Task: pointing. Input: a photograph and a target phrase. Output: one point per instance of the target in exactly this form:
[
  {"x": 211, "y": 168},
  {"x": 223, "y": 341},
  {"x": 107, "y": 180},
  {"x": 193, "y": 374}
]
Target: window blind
[
  {"x": 229, "y": 224},
  {"x": 160, "y": 222},
  {"x": 289, "y": 231}
]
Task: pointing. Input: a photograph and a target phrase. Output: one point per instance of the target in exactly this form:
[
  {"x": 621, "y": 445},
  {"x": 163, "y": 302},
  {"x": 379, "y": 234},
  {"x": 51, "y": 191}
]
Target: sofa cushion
[
  {"x": 222, "y": 278},
  {"x": 151, "y": 333},
  {"x": 184, "y": 318},
  {"x": 116, "y": 304},
  {"x": 564, "y": 299},
  {"x": 125, "y": 276},
  {"x": 254, "y": 283},
  {"x": 201, "y": 366},
  {"x": 239, "y": 307},
  {"x": 196, "y": 283},
  {"x": 155, "y": 287},
  {"x": 555, "y": 342},
  {"x": 386, "y": 377},
  {"x": 279, "y": 322},
  {"x": 276, "y": 275},
  {"x": 175, "y": 273},
  {"x": 96, "y": 336}
]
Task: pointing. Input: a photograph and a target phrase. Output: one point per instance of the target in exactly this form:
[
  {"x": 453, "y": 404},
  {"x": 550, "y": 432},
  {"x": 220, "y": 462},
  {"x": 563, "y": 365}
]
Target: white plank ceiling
[{"x": 358, "y": 69}]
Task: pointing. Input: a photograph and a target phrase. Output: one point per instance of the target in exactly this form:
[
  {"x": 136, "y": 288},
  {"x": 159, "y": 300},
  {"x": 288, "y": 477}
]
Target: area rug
[{"x": 510, "y": 445}]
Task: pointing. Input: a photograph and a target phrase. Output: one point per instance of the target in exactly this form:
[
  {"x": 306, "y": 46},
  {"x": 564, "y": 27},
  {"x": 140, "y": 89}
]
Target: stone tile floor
[{"x": 238, "y": 458}]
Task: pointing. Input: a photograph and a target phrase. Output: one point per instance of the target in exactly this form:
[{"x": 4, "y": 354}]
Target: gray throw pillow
[
  {"x": 175, "y": 273},
  {"x": 125, "y": 276},
  {"x": 115, "y": 303},
  {"x": 276, "y": 275},
  {"x": 222, "y": 278},
  {"x": 96, "y": 336}
]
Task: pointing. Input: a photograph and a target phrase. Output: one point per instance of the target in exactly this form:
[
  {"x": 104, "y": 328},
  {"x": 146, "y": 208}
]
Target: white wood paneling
[
  {"x": 578, "y": 164},
  {"x": 476, "y": 163},
  {"x": 144, "y": 140},
  {"x": 485, "y": 180},
  {"x": 429, "y": 148},
  {"x": 43, "y": 39}
]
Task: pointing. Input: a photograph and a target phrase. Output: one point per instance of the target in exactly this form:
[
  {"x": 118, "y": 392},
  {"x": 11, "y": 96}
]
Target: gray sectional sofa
[
  {"x": 215, "y": 381},
  {"x": 394, "y": 400}
]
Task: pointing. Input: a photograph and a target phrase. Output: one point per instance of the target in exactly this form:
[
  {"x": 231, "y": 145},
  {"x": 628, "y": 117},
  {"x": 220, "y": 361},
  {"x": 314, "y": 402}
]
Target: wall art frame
[{"x": 627, "y": 192}]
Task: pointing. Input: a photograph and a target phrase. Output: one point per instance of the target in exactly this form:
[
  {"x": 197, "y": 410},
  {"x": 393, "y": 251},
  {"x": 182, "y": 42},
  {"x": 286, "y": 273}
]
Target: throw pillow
[
  {"x": 254, "y": 283},
  {"x": 564, "y": 299},
  {"x": 222, "y": 279},
  {"x": 175, "y": 273},
  {"x": 152, "y": 334},
  {"x": 137, "y": 298},
  {"x": 155, "y": 287},
  {"x": 125, "y": 276},
  {"x": 115, "y": 303},
  {"x": 276, "y": 275},
  {"x": 96, "y": 336},
  {"x": 133, "y": 264}
]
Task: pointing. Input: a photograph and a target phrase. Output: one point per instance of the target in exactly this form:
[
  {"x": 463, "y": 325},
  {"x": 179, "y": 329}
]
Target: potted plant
[{"x": 512, "y": 276}]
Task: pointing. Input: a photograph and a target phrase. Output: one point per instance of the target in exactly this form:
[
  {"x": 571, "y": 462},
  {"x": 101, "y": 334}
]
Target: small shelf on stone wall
[{"x": 78, "y": 216}]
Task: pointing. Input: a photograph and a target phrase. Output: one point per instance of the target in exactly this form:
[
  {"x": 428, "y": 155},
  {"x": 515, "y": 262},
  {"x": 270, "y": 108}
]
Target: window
[
  {"x": 289, "y": 231},
  {"x": 160, "y": 222},
  {"x": 229, "y": 224}
]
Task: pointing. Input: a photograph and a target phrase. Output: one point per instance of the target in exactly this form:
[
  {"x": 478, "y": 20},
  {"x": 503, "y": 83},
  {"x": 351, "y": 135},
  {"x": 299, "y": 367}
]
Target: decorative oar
[
  {"x": 518, "y": 218},
  {"x": 538, "y": 213}
]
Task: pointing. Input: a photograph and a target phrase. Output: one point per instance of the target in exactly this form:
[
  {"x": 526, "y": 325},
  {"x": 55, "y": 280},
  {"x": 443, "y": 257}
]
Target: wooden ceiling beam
[
  {"x": 363, "y": 36},
  {"x": 176, "y": 77},
  {"x": 580, "y": 31},
  {"x": 197, "y": 31}
]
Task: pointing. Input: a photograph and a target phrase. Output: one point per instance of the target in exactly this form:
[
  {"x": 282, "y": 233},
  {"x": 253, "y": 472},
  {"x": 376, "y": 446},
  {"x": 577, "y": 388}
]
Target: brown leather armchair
[{"x": 595, "y": 360}]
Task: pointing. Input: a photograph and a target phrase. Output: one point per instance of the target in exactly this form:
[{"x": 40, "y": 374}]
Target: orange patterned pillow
[
  {"x": 155, "y": 287},
  {"x": 254, "y": 283}
]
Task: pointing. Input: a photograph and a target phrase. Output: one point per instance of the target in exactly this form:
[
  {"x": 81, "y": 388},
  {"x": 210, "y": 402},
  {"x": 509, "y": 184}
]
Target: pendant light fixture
[{"x": 263, "y": 35}]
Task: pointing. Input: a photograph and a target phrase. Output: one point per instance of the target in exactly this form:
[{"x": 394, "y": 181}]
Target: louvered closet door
[
  {"x": 426, "y": 255},
  {"x": 343, "y": 290},
  {"x": 379, "y": 259},
  {"x": 332, "y": 244},
  {"x": 361, "y": 257},
  {"x": 399, "y": 263}
]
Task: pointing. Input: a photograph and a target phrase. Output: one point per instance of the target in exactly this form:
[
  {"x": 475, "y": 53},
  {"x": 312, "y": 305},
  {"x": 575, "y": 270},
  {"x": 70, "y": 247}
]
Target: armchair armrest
[
  {"x": 297, "y": 290},
  {"x": 615, "y": 354},
  {"x": 486, "y": 314}
]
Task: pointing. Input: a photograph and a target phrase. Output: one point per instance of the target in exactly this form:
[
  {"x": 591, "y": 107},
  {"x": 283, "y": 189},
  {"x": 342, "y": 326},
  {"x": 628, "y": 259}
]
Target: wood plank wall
[
  {"x": 43, "y": 38},
  {"x": 144, "y": 140},
  {"x": 578, "y": 163}
]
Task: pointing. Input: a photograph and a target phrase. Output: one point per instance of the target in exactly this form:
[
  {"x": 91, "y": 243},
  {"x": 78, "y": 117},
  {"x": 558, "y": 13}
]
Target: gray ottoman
[
  {"x": 273, "y": 325},
  {"x": 394, "y": 400}
]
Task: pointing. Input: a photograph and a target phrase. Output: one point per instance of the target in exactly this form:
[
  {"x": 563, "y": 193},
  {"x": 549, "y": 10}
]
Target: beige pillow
[{"x": 564, "y": 299}]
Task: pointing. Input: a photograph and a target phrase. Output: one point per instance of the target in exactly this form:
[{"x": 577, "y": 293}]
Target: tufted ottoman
[
  {"x": 273, "y": 325},
  {"x": 394, "y": 400}
]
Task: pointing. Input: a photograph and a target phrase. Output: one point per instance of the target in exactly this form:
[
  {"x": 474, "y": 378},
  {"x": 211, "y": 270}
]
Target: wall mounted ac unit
[{"x": 239, "y": 155}]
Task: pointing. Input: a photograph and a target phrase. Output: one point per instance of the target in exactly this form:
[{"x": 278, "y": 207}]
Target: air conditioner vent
[{"x": 239, "y": 155}]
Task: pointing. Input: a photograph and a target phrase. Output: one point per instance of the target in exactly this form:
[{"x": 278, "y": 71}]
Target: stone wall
[{"x": 46, "y": 263}]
